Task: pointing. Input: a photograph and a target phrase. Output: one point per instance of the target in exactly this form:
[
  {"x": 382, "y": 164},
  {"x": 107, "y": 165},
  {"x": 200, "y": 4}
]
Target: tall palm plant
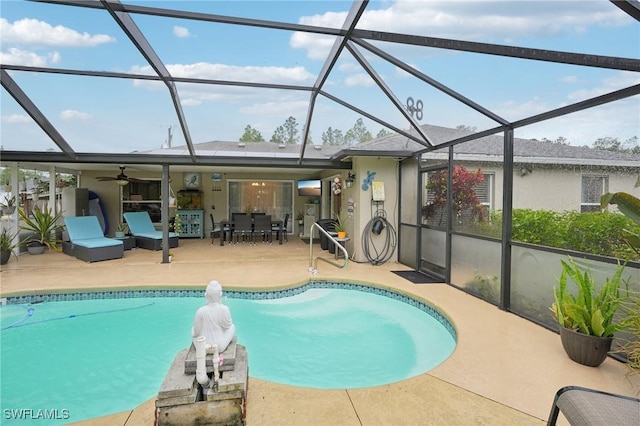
[{"x": 44, "y": 224}]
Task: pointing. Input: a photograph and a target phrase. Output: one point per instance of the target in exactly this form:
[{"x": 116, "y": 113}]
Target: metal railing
[{"x": 313, "y": 265}]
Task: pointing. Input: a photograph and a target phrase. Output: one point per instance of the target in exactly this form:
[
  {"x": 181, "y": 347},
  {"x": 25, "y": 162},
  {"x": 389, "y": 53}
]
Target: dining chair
[
  {"x": 283, "y": 233},
  {"x": 236, "y": 214},
  {"x": 262, "y": 227},
  {"x": 242, "y": 227},
  {"x": 215, "y": 229}
]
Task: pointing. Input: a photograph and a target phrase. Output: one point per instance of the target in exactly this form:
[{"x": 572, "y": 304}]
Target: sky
[{"x": 118, "y": 115}]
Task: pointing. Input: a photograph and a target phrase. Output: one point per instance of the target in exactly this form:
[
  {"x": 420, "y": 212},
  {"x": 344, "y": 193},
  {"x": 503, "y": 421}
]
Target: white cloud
[
  {"x": 16, "y": 56},
  {"x": 16, "y": 118},
  {"x": 70, "y": 114},
  {"x": 618, "y": 80},
  {"x": 569, "y": 79},
  {"x": 181, "y": 32},
  {"x": 269, "y": 74},
  {"x": 496, "y": 22},
  {"x": 190, "y": 102},
  {"x": 33, "y": 32},
  {"x": 278, "y": 109},
  {"x": 360, "y": 79}
]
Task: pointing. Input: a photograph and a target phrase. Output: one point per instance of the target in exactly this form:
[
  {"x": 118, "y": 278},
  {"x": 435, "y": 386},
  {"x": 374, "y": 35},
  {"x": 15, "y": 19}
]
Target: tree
[
  {"x": 630, "y": 146},
  {"x": 561, "y": 140},
  {"x": 251, "y": 135},
  {"x": 287, "y": 133},
  {"x": 465, "y": 127},
  {"x": 383, "y": 132},
  {"x": 465, "y": 200},
  {"x": 332, "y": 137},
  {"x": 279, "y": 135},
  {"x": 358, "y": 133},
  {"x": 607, "y": 144}
]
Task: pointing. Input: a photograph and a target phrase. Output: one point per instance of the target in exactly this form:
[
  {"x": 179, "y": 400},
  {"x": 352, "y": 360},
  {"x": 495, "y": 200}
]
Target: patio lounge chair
[
  {"x": 585, "y": 407},
  {"x": 87, "y": 242},
  {"x": 145, "y": 233}
]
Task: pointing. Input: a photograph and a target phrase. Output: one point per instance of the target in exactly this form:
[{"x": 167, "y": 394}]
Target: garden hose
[{"x": 378, "y": 225}]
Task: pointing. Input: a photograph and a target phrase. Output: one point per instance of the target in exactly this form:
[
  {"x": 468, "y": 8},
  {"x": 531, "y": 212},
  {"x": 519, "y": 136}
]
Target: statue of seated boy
[{"x": 213, "y": 321}]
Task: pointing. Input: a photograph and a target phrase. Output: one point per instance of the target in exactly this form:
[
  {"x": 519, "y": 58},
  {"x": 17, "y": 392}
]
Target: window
[
  {"x": 484, "y": 191},
  {"x": 143, "y": 196},
  {"x": 593, "y": 187},
  {"x": 274, "y": 198}
]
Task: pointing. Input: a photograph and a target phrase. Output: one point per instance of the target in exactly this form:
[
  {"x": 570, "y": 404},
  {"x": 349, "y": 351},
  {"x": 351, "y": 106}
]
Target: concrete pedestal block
[
  {"x": 183, "y": 402},
  {"x": 228, "y": 356}
]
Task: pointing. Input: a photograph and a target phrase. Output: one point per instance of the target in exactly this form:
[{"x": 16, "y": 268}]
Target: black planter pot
[
  {"x": 583, "y": 348},
  {"x": 5, "y": 255},
  {"x": 36, "y": 248}
]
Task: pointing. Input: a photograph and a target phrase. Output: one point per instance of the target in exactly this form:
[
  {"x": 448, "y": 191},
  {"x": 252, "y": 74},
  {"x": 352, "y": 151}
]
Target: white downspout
[{"x": 201, "y": 365}]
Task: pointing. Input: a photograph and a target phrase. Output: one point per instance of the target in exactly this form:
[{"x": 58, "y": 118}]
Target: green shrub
[
  {"x": 596, "y": 233},
  {"x": 543, "y": 227}
]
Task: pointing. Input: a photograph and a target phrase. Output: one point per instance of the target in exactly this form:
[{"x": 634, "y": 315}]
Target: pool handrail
[{"x": 313, "y": 266}]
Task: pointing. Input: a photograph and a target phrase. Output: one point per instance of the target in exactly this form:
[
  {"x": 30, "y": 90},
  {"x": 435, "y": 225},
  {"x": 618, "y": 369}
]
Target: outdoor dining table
[{"x": 226, "y": 229}]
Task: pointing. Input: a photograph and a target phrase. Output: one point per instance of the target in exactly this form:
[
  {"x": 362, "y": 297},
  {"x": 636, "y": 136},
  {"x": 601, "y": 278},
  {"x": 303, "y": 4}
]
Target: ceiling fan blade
[
  {"x": 136, "y": 180},
  {"x": 105, "y": 178}
]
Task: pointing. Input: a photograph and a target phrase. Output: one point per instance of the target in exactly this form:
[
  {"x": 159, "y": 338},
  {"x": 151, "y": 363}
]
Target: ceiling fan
[{"x": 121, "y": 179}]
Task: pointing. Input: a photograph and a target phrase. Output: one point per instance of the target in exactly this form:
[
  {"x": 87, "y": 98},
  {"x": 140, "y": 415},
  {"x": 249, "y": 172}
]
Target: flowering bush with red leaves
[{"x": 465, "y": 200}]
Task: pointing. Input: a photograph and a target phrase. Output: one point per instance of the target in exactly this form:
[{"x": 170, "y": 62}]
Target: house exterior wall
[
  {"x": 386, "y": 170},
  {"x": 557, "y": 188},
  {"x": 109, "y": 192}
]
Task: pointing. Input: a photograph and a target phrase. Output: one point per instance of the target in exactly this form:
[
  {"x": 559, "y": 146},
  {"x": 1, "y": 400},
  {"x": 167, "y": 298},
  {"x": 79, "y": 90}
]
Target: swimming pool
[{"x": 86, "y": 358}]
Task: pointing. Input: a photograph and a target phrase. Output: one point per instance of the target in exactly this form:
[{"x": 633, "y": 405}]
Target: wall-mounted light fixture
[
  {"x": 350, "y": 179},
  {"x": 526, "y": 169}
]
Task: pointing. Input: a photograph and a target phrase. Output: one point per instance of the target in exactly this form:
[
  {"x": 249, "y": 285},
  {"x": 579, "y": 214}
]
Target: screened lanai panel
[
  {"x": 475, "y": 266},
  {"x": 534, "y": 24},
  {"x": 425, "y": 102},
  {"x": 46, "y": 35},
  {"x": 511, "y": 88},
  {"x": 478, "y": 178},
  {"x": 351, "y": 84},
  {"x": 221, "y": 113},
  {"x": 309, "y": 12},
  {"x": 615, "y": 121},
  {"x": 19, "y": 131},
  {"x": 336, "y": 124},
  {"x": 211, "y": 50},
  {"x": 99, "y": 115}
]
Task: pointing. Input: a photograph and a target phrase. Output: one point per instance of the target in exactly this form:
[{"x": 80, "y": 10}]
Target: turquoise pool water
[{"x": 73, "y": 360}]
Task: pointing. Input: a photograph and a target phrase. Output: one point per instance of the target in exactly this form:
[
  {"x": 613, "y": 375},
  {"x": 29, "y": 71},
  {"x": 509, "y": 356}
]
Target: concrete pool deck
[{"x": 505, "y": 370}]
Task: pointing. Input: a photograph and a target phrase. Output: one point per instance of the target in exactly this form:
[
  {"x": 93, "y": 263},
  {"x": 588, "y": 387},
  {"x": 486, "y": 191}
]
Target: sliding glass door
[{"x": 271, "y": 197}]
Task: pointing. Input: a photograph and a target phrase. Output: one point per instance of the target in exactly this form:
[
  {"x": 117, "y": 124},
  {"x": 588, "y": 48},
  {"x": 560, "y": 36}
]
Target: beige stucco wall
[
  {"x": 552, "y": 187},
  {"x": 386, "y": 170}
]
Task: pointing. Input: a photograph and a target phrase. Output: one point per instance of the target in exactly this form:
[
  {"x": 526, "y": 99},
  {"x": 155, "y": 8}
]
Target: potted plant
[
  {"x": 7, "y": 245},
  {"x": 176, "y": 226},
  {"x": 586, "y": 319},
  {"x": 44, "y": 224},
  {"x": 340, "y": 226},
  {"x": 120, "y": 230},
  {"x": 9, "y": 205},
  {"x": 300, "y": 219},
  {"x": 630, "y": 207}
]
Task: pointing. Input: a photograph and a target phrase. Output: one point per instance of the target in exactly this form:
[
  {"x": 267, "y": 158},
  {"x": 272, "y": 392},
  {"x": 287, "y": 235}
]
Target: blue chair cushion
[
  {"x": 83, "y": 227},
  {"x": 97, "y": 242},
  {"x": 139, "y": 223}
]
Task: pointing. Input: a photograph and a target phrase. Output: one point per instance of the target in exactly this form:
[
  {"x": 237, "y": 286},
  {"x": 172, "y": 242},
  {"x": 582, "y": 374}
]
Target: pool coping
[{"x": 269, "y": 293}]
